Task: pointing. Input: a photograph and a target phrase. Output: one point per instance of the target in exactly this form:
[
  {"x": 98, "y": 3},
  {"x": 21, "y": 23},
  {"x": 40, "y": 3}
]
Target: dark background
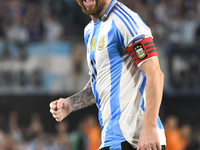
[{"x": 185, "y": 108}]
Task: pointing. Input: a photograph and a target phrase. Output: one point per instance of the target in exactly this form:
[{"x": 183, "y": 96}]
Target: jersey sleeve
[
  {"x": 136, "y": 36},
  {"x": 131, "y": 27},
  {"x": 142, "y": 51},
  {"x": 141, "y": 46},
  {"x": 139, "y": 43}
]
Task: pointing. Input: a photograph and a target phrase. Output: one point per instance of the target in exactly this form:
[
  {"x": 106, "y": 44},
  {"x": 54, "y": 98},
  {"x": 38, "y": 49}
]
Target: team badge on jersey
[
  {"x": 140, "y": 52},
  {"x": 93, "y": 43},
  {"x": 101, "y": 43}
]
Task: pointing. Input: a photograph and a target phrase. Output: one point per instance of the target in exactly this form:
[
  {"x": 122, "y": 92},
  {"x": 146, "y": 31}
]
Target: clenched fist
[{"x": 61, "y": 108}]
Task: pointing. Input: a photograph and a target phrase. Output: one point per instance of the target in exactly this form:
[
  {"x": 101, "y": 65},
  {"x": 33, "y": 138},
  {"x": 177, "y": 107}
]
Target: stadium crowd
[
  {"x": 14, "y": 136},
  {"x": 29, "y": 21},
  {"x": 85, "y": 136},
  {"x": 175, "y": 26}
]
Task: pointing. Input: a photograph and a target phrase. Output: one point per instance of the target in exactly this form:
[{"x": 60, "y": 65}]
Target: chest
[{"x": 103, "y": 44}]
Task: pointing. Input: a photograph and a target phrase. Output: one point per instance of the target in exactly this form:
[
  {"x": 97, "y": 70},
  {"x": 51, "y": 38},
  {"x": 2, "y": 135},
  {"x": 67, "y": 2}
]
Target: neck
[{"x": 96, "y": 18}]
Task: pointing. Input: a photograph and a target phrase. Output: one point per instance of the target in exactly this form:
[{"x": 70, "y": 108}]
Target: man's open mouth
[{"x": 88, "y": 1}]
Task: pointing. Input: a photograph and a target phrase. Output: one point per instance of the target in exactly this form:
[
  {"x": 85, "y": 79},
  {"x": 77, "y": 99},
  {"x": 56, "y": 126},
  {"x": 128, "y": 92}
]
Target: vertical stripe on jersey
[
  {"x": 114, "y": 135},
  {"x": 86, "y": 37},
  {"x": 92, "y": 59},
  {"x": 99, "y": 113},
  {"x": 159, "y": 123},
  {"x": 92, "y": 54}
]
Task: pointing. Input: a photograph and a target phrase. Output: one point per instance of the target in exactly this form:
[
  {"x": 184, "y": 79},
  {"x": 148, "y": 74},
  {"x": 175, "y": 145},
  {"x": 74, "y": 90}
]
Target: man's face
[{"x": 92, "y": 7}]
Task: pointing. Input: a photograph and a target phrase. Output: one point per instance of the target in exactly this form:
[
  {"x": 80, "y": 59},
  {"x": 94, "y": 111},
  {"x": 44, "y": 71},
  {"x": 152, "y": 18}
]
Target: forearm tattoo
[{"x": 83, "y": 99}]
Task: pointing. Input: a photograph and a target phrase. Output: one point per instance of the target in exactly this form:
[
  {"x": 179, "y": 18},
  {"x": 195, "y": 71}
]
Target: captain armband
[{"x": 142, "y": 50}]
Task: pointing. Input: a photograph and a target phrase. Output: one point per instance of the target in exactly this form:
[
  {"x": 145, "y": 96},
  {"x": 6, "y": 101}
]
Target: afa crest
[
  {"x": 101, "y": 43},
  {"x": 140, "y": 52}
]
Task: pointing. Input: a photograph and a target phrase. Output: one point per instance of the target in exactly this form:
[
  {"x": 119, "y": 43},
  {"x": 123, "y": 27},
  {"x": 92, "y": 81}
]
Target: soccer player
[{"x": 126, "y": 81}]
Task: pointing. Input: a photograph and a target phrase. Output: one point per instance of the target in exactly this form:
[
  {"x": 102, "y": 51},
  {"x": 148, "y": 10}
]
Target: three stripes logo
[{"x": 94, "y": 73}]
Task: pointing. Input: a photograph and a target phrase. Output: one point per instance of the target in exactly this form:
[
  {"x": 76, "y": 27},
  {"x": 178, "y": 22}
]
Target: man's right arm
[
  {"x": 64, "y": 106},
  {"x": 84, "y": 98}
]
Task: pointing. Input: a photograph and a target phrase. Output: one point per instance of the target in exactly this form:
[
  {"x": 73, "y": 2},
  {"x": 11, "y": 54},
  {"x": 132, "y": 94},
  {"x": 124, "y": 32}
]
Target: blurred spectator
[
  {"x": 190, "y": 25},
  {"x": 17, "y": 32},
  {"x": 185, "y": 137},
  {"x": 37, "y": 78},
  {"x": 14, "y": 129},
  {"x": 160, "y": 11},
  {"x": 195, "y": 139},
  {"x": 172, "y": 133},
  {"x": 62, "y": 139},
  {"x": 78, "y": 137},
  {"x": 178, "y": 138},
  {"x": 34, "y": 22},
  {"x": 53, "y": 29},
  {"x": 35, "y": 129},
  {"x": 8, "y": 143},
  {"x": 77, "y": 76},
  {"x": 3, "y": 123},
  {"x": 93, "y": 132},
  {"x": 36, "y": 134},
  {"x": 2, "y": 139}
]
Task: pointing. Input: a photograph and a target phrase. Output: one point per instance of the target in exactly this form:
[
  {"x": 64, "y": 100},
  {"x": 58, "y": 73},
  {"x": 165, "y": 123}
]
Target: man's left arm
[{"x": 149, "y": 138}]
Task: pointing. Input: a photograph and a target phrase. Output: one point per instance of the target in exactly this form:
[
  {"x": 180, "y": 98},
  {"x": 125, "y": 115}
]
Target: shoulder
[
  {"x": 87, "y": 32},
  {"x": 88, "y": 27},
  {"x": 127, "y": 20},
  {"x": 129, "y": 23},
  {"x": 123, "y": 14}
]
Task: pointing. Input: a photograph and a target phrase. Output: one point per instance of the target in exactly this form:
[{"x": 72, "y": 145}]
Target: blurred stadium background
[{"x": 42, "y": 58}]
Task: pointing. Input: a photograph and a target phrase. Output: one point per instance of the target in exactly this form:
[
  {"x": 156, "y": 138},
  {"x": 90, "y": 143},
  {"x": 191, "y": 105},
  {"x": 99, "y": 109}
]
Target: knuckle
[
  {"x": 152, "y": 144},
  {"x": 58, "y": 120},
  {"x": 53, "y": 112},
  {"x": 60, "y": 99}
]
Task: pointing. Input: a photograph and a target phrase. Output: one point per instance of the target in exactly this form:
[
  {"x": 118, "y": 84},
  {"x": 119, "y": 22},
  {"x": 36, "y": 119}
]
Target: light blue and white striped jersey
[{"x": 117, "y": 82}]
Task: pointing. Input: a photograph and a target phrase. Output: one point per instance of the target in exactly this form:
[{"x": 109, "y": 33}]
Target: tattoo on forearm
[{"x": 83, "y": 99}]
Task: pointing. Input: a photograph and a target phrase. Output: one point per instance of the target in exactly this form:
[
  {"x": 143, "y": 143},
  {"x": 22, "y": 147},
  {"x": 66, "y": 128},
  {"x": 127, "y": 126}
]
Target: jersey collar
[{"x": 105, "y": 16}]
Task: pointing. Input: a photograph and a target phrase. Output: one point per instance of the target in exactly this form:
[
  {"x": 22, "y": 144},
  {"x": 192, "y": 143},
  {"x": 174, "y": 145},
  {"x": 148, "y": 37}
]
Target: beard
[{"x": 93, "y": 10}]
